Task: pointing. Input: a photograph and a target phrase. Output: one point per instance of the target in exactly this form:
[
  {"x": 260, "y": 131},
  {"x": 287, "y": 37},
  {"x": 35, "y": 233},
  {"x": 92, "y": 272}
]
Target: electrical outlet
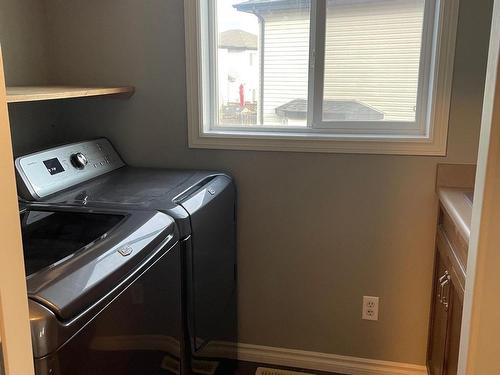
[{"x": 370, "y": 308}]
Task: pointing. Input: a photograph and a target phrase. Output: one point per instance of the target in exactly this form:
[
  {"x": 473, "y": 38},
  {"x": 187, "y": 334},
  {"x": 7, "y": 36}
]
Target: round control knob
[{"x": 79, "y": 160}]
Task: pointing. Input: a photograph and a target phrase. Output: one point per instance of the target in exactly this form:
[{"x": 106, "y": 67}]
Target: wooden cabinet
[
  {"x": 454, "y": 328},
  {"x": 447, "y": 299},
  {"x": 439, "y": 323}
]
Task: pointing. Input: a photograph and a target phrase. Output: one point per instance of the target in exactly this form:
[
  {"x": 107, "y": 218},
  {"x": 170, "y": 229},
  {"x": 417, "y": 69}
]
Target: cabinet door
[
  {"x": 454, "y": 328},
  {"x": 439, "y": 322}
]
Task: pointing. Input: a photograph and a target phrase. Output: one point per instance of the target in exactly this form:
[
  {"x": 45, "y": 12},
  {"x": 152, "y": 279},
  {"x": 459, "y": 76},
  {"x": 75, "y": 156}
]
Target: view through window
[
  {"x": 371, "y": 69},
  {"x": 372, "y": 59},
  {"x": 263, "y": 62}
]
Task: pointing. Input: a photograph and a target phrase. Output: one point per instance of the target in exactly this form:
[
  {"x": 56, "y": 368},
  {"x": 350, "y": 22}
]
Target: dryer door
[{"x": 211, "y": 261}]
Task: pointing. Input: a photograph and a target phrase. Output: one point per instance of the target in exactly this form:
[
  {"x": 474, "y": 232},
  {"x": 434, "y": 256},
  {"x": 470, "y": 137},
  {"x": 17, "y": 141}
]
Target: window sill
[{"x": 265, "y": 141}]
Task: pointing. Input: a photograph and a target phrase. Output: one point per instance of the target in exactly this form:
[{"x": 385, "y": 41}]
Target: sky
[{"x": 229, "y": 18}]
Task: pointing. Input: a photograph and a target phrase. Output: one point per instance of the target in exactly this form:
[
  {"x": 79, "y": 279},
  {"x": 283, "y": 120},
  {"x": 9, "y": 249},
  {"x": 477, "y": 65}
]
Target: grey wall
[
  {"x": 316, "y": 231},
  {"x": 25, "y": 47},
  {"x": 23, "y": 34}
]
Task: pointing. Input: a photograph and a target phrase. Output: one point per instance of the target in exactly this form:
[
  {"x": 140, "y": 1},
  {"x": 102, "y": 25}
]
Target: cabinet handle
[
  {"x": 440, "y": 281},
  {"x": 442, "y": 278},
  {"x": 445, "y": 297}
]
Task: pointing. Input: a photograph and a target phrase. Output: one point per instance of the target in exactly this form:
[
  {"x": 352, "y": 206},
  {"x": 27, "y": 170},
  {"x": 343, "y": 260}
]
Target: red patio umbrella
[{"x": 242, "y": 95}]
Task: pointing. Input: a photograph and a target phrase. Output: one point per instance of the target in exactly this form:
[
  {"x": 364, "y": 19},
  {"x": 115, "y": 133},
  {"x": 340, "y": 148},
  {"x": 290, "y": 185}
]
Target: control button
[
  {"x": 101, "y": 163},
  {"x": 125, "y": 251},
  {"x": 211, "y": 191},
  {"x": 95, "y": 165},
  {"x": 78, "y": 160}
]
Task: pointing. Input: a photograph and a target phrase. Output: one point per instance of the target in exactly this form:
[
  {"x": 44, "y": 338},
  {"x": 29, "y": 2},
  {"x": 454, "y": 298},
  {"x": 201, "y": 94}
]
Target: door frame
[
  {"x": 14, "y": 317},
  {"x": 480, "y": 325}
]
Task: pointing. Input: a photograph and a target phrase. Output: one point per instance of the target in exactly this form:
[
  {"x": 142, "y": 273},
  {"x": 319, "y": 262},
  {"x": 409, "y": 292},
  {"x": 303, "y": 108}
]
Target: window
[{"x": 367, "y": 76}]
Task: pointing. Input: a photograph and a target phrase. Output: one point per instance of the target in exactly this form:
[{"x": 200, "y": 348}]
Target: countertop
[{"x": 459, "y": 207}]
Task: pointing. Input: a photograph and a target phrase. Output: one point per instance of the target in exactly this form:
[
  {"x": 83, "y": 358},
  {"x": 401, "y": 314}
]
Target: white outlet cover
[{"x": 370, "y": 308}]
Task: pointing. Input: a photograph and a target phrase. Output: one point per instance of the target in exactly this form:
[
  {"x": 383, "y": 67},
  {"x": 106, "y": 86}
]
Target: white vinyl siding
[
  {"x": 286, "y": 61},
  {"x": 372, "y": 55}
]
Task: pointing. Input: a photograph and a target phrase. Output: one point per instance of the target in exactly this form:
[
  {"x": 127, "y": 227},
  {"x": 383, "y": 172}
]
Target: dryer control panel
[{"x": 48, "y": 172}]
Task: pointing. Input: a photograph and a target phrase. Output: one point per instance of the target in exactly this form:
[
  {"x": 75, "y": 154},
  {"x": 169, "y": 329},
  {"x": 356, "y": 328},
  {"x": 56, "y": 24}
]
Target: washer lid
[
  {"x": 138, "y": 188},
  {"x": 74, "y": 258}
]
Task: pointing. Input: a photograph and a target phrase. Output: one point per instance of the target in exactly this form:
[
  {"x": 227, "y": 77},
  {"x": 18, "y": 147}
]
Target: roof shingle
[{"x": 237, "y": 39}]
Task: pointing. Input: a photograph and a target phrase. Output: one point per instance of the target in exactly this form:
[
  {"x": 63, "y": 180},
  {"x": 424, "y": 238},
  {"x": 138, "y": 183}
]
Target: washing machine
[
  {"x": 104, "y": 290},
  {"x": 202, "y": 203}
]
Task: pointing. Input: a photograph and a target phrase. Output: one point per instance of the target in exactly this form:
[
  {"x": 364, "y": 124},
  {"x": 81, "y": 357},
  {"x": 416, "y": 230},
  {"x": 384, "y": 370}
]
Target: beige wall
[{"x": 316, "y": 231}]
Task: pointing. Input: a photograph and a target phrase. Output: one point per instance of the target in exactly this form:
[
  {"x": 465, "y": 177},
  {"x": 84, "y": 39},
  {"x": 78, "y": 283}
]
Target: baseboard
[
  {"x": 266, "y": 355},
  {"x": 311, "y": 360}
]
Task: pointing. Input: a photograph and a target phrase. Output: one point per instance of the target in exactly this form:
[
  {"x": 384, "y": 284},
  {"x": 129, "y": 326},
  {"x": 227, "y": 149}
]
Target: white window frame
[{"x": 429, "y": 137}]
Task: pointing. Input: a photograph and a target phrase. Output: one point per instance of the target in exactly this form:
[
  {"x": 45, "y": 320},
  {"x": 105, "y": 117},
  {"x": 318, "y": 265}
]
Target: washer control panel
[{"x": 48, "y": 172}]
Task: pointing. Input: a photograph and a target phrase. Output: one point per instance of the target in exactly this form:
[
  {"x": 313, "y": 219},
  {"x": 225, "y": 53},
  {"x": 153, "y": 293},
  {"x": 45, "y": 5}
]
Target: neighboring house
[
  {"x": 372, "y": 56},
  {"x": 238, "y": 71}
]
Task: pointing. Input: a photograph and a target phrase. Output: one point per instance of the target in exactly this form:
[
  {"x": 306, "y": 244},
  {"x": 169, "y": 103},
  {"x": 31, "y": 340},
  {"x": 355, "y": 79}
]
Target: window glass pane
[
  {"x": 262, "y": 62},
  {"x": 372, "y": 57}
]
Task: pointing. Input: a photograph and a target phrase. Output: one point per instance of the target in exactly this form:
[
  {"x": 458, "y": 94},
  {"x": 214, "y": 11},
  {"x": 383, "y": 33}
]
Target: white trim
[
  {"x": 443, "y": 66},
  {"x": 194, "y": 78},
  {"x": 213, "y": 63},
  {"x": 480, "y": 325},
  {"x": 433, "y": 143},
  {"x": 263, "y": 354},
  {"x": 310, "y": 360},
  {"x": 317, "y": 57},
  {"x": 308, "y": 143}
]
